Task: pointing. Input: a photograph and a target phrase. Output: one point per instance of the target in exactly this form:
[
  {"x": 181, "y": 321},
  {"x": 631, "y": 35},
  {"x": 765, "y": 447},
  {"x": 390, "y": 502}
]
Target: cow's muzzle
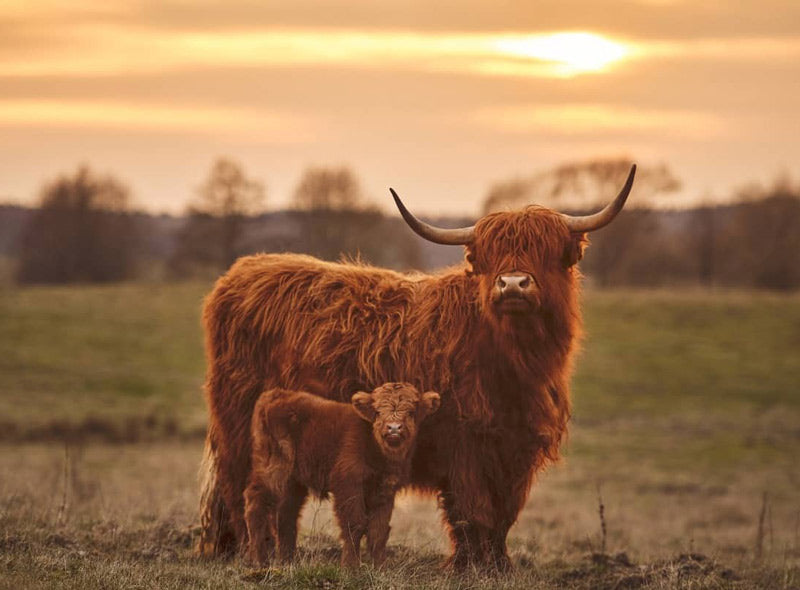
[{"x": 515, "y": 292}]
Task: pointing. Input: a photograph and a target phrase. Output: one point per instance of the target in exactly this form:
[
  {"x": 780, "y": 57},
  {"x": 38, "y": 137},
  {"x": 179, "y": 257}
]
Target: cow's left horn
[
  {"x": 438, "y": 235},
  {"x": 607, "y": 215}
]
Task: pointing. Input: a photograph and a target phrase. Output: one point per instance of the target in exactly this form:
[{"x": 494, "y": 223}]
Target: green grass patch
[
  {"x": 687, "y": 353},
  {"x": 672, "y": 359},
  {"x": 101, "y": 351}
]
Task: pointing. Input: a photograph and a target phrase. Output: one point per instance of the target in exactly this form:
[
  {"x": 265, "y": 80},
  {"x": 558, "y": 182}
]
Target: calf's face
[{"x": 395, "y": 411}]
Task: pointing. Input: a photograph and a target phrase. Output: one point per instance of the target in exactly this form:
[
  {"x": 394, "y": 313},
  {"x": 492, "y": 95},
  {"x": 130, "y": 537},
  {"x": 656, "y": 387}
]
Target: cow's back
[{"x": 296, "y": 322}]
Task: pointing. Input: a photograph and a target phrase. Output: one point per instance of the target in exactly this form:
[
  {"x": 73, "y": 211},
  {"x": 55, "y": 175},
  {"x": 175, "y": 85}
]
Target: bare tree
[
  {"x": 582, "y": 185},
  {"x": 337, "y": 220},
  {"x": 82, "y": 232},
  {"x": 328, "y": 189},
  {"x": 212, "y": 237}
]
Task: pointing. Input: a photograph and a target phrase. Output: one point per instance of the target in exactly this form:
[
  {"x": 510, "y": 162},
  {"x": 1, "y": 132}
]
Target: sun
[{"x": 568, "y": 53}]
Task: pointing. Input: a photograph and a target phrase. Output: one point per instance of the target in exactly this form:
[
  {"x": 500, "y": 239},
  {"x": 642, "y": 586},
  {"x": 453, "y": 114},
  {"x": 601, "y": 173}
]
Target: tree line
[{"x": 85, "y": 229}]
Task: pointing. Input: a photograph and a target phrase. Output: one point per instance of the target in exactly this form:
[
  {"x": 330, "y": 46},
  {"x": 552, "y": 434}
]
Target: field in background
[{"x": 687, "y": 413}]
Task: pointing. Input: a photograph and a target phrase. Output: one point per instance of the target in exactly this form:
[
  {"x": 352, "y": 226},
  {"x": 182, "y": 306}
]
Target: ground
[{"x": 685, "y": 431}]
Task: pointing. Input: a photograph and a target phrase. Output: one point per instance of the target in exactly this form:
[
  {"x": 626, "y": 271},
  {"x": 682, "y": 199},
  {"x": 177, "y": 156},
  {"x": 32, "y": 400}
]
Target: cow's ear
[
  {"x": 362, "y": 403},
  {"x": 574, "y": 250},
  {"x": 473, "y": 268},
  {"x": 430, "y": 403}
]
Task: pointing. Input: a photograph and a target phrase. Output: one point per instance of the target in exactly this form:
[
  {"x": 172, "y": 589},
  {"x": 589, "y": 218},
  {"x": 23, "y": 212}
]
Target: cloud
[
  {"x": 58, "y": 9},
  {"x": 110, "y": 49},
  {"x": 93, "y": 114},
  {"x": 96, "y": 47},
  {"x": 656, "y": 19},
  {"x": 749, "y": 49},
  {"x": 587, "y": 119}
]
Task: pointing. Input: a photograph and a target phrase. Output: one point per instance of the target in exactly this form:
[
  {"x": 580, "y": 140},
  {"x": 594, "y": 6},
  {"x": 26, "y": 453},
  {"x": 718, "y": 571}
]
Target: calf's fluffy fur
[{"x": 360, "y": 452}]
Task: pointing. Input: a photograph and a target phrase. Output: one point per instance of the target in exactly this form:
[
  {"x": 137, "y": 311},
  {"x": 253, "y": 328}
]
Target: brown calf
[{"x": 361, "y": 453}]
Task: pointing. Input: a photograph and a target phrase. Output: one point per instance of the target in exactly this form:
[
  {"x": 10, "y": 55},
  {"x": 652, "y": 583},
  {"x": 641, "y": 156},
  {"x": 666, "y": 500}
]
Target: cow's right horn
[
  {"x": 438, "y": 235},
  {"x": 602, "y": 218}
]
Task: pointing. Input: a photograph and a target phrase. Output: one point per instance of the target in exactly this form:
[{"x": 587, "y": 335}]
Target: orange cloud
[
  {"x": 100, "y": 114},
  {"x": 110, "y": 49},
  {"x": 573, "y": 119}
]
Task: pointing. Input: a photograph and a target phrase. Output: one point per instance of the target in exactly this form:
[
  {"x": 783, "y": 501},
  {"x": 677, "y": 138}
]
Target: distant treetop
[
  {"x": 581, "y": 185},
  {"x": 328, "y": 188}
]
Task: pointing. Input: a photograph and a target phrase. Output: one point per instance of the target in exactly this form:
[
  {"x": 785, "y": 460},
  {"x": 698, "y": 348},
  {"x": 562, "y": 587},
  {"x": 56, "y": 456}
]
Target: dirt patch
[{"x": 617, "y": 572}]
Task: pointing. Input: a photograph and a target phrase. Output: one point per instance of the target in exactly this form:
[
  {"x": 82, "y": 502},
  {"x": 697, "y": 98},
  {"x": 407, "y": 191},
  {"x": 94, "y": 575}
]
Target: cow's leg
[
  {"x": 229, "y": 431},
  {"x": 468, "y": 512},
  {"x": 477, "y": 543},
  {"x": 507, "y": 509},
  {"x": 510, "y": 495},
  {"x": 498, "y": 552},
  {"x": 475, "y": 508},
  {"x": 232, "y": 473},
  {"x": 217, "y": 536},
  {"x": 288, "y": 515}
]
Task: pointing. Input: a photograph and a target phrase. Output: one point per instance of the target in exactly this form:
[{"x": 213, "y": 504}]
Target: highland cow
[
  {"x": 494, "y": 337},
  {"x": 359, "y": 452}
]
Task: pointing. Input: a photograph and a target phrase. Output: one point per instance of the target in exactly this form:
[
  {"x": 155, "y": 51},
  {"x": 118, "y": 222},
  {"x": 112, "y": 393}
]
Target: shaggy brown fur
[
  {"x": 361, "y": 453},
  {"x": 295, "y": 322}
]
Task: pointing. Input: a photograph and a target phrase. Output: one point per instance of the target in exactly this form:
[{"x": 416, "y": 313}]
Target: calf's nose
[{"x": 394, "y": 428}]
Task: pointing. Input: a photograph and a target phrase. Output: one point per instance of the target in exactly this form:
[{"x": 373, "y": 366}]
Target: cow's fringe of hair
[{"x": 529, "y": 240}]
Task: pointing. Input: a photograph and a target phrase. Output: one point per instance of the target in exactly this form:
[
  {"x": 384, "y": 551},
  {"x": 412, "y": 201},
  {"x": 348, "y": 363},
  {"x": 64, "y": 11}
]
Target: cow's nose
[{"x": 515, "y": 284}]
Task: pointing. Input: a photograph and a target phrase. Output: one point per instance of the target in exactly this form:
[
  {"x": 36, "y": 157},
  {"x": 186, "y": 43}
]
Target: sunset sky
[{"x": 437, "y": 99}]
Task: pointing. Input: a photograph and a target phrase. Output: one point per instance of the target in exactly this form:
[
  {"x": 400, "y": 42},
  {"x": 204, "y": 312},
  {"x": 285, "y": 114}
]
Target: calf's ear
[
  {"x": 430, "y": 403},
  {"x": 362, "y": 402}
]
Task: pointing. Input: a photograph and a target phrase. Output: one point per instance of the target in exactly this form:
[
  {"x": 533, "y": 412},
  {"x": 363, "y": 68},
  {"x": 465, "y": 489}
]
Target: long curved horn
[
  {"x": 437, "y": 235},
  {"x": 602, "y": 218}
]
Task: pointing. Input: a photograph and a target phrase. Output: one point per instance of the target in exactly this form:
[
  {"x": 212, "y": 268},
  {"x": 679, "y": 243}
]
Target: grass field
[{"x": 687, "y": 425}]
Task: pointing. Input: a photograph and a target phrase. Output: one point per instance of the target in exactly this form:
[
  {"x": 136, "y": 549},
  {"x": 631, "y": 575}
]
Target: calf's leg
[
  {"x": 288, "y": 515},
  {"x": 378, "y": 531},
  {"x": 348, "y": 504},
  {"x": 259, "y": 512}
]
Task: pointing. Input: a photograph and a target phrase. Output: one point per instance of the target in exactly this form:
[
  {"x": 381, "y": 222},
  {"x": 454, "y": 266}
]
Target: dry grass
[
  {"x": 123, "y": 516},
  {"x": 686, "y": 421}
]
